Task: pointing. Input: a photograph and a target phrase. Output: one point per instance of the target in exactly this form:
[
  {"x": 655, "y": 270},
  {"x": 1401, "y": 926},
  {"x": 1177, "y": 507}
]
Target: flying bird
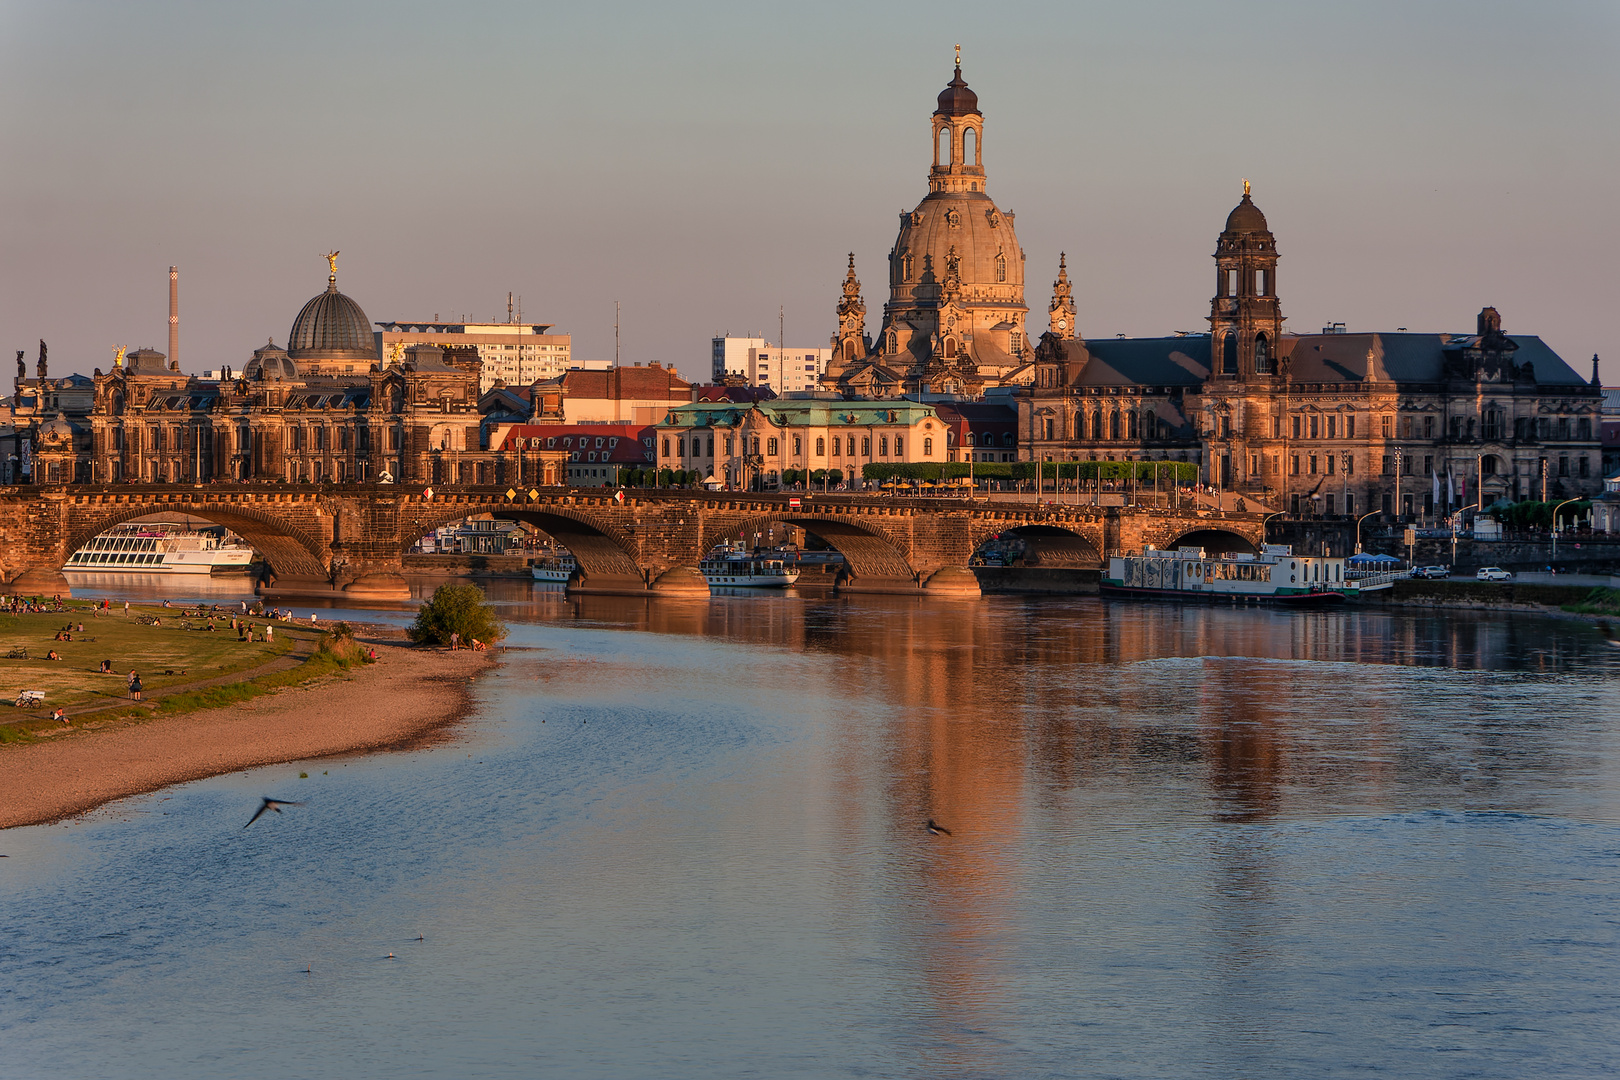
[
  {"x": 270, "y": 804},
  {"x": 934, "y": 828}
]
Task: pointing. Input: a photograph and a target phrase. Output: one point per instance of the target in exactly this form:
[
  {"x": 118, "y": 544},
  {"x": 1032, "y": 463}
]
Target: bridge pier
[
  {"x": 41, "y": 581},
  {"x": 681, "y": 581}
]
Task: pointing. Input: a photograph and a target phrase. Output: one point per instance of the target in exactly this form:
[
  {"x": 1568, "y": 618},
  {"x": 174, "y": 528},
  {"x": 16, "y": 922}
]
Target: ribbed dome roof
[
  {"x": 956, "y": 99},
  {"x": 331, "y": 327},
  {"x": 271, "y": 363},
  {"x": 1246, "y": 217}
]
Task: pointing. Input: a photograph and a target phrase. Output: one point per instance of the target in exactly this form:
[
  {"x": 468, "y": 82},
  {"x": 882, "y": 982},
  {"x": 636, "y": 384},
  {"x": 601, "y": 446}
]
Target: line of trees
[{"x": 1143, "y": 471}]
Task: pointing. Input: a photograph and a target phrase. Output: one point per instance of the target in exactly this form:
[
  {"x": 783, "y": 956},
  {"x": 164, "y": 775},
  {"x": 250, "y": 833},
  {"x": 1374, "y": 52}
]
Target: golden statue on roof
[
  {"x": 118, "y": 356},
  {"x": 959, "y": 56},
  {"x": 1245, "y": 185},
  {"x": 331, "y": 260}
]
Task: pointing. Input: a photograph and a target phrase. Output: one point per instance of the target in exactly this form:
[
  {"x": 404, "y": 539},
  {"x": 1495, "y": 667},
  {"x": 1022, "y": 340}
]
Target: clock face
[{"x": 1063, "y": 324}]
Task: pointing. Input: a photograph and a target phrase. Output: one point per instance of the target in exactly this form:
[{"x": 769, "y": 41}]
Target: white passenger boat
[
  {"x": 555, "y": 568},
  {"x": 1275, "y": 576},
  {"x": 159, "y": 548},
  {"x": 730, "y": 568}
]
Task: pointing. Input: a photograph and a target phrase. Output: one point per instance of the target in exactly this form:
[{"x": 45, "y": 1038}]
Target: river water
[{"x": 686, "y": 839}]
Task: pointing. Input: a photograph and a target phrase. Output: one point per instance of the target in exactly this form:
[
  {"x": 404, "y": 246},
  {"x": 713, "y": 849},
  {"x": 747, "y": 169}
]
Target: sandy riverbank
[{"x": 405, "y": 695}]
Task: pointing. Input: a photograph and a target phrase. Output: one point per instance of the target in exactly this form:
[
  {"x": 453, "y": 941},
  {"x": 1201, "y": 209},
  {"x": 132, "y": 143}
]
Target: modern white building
[
  {"x": 517, "y": 354},
  {"x": 757, "y": 362}
]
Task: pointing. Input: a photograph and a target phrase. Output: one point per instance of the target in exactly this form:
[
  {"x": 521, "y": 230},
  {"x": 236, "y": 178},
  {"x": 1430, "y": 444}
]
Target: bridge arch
[
  {"x": 288, "y": 549},
  {"x": 1216, "y": 541},
  {"x": 870, "y": 552},
  {"x": 603, "y": 552},
  {"x": 1048, "y": 544}
]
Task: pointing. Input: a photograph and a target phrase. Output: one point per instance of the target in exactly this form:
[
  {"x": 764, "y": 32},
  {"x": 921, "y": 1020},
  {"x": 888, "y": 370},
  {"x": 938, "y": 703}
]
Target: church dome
[
  {"x": 956, "y": 99},
  {"x": 331, "y": 327},
  {"x": 1246, "y": 217},
  {"x": 270, "y": 363}
]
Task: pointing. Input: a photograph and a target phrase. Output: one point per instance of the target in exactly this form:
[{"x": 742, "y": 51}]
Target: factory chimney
[{"x": 174, "y": 318}]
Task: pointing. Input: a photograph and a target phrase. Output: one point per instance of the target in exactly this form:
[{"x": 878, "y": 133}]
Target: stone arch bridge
[{"x": 324, "y": 539}]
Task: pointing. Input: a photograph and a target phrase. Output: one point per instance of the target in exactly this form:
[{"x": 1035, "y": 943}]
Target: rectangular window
[
  {"x": 1349, "y": 433},
  {"x": 1563, "y": 466},
  {"x": 1254, "y": 464},
  {"x": 1313, "y": 464},
  {"x": 899, "y": 449},
  {"x": 1389, "y": 464},
  {"x": 1330, "y": 462},
  {"x": 666, "y": 446},
  {"x": 1388, "y": 427},
  {"x": 1295, "y": 465},
  {"x": 1428, "y": 427},
  {"x": 680, "y": 449},
  {"x": 866, "y": 446},
  {"x": 1349, "y": 505},
  {"x": 1406, "y": 427},
  {"x": 1408, "y": 465},
  {"x": 821, "y": 446},
  {"x": 1296, "y": 427},
  {"x": 1276, "y": 427},
  {"x": 798, "y": 445},
  {"x": 1583, "y": 467},
  {"x": 710, "y": 443},
  {"x": 883, "y": 446},
  {"x": 1428, "y": 465},
  {"x": 1316, "y": 432},
  {"x": 1349, "y": 470},
  {"x": 771, "y": 446},
  {"x": 728, "y": 446}
]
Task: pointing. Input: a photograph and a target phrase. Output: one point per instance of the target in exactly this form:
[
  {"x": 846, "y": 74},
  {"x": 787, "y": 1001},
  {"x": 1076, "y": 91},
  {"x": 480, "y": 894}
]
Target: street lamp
[
  {"x": 1359, "y": 520},
  {"x": 1557, "y": 508}
]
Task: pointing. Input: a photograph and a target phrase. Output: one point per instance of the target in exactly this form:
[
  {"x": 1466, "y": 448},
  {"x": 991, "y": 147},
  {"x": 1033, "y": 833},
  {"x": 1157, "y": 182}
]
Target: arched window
[
  {"x": 1097, "y": 424},
  {"x": 950, "y": 348},
  {"x": 908, "y": 263},
  {"x": 942, "y": 151},
  {"x": 1229, "y": 354},
  {"x": 1130, "y": 425},
  {"x": 1262, "y": 355},
  {"x": 1113, "y": 425},
  {"x": 928, "y": 448},
  {"x": 1001, "y": 267},
  {"x": 666, "y": 447},
  {"x": 893, "y": 345},
  {"x": 970, "y": 147},
  {"x": 1079, "y": 425}
]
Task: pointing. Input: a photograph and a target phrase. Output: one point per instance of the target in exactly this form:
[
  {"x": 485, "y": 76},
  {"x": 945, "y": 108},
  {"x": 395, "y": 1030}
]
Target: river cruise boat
[
  {"x": 555, "y": 569},
  {"x": 734, "y": 568},
  {"x": 1275, "y": 576},
  {"x": 157, "y": 548}
]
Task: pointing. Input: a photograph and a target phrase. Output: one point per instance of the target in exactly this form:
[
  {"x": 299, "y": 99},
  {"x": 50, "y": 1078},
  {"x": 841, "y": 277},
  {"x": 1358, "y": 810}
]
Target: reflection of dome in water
[
  {"x": 270, "y": 363},
  {"x": 331, "y": 327}
]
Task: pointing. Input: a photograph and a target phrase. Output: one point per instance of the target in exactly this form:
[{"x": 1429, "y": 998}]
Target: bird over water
[{"x": 276, "y": 805}]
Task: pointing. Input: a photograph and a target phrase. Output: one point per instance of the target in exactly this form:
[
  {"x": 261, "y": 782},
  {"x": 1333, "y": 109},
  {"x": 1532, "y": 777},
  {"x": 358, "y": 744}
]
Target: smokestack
[{"x": 174, "y": 317}]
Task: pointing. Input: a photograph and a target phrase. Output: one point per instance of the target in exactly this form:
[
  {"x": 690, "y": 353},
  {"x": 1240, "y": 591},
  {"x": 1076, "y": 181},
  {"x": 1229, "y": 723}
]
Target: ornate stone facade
[
  {"x": 1329, "y": 424},
  {"x": 954, "y": 321}
]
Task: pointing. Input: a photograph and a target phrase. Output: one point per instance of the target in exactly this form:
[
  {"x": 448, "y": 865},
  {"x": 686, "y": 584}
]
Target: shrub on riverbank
[
  {"x": 1599, "y": 601},
  {"x": 456, "y": 609}
]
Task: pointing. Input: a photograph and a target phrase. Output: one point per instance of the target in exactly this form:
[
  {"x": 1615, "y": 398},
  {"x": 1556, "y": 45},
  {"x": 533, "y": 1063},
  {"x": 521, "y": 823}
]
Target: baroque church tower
[
  {"x": 1245, "y": 317},
  {"x": 954, "y": 321}
]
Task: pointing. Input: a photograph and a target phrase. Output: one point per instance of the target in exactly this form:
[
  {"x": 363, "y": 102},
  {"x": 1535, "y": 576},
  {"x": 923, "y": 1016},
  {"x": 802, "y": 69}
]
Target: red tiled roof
[{"x": 615, "y": 444}]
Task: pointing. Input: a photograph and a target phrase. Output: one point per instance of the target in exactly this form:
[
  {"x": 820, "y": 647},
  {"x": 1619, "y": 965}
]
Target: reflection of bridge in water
[{"x": 321, "y": 539}]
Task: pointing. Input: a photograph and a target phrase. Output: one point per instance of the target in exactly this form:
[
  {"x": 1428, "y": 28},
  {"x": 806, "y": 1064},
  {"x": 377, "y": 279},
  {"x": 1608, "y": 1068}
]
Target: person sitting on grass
[
  {"x": 60, "y": 715},
  {"x": 52, "y": 655},
  {"x": 106, "y": 667}
]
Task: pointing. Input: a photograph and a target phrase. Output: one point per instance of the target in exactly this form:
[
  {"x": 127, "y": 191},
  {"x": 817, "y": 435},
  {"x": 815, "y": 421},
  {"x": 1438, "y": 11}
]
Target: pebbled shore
[{"x": 406, "y": 695}]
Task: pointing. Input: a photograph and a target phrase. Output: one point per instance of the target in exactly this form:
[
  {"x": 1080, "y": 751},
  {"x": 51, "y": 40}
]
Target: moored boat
[
  {"x": 554, "y": 568},
  {"x": 730, "y": 568},
  {"x": 1274, "y": 576},
  {"x": 161, "y": 548}
]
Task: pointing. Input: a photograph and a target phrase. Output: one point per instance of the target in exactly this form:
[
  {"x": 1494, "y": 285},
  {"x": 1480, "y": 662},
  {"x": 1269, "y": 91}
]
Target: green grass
[
  {"x": 192, "y": 655},
  {"x": 1600, "y": 601}
]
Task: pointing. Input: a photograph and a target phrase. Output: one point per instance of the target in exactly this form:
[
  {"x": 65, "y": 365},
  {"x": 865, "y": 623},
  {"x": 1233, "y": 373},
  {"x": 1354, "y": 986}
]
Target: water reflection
[{"x": 1188, "y": 842}]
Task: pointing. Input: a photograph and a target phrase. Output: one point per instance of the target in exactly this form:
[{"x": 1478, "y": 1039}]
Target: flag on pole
[
  {"x": 1451, "y": 488},
  {"x": 1437, "y": 488}
]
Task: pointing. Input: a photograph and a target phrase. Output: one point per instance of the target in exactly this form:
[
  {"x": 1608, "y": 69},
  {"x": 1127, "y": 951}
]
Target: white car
[{"x": 1493, "y": 573}]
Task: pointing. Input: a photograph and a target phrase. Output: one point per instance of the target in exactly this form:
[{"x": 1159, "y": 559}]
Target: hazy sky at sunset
[{"x": 704, "y": 164}]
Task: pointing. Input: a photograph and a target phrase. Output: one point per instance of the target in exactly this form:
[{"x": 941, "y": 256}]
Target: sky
[{"x": 705, "y": 165}]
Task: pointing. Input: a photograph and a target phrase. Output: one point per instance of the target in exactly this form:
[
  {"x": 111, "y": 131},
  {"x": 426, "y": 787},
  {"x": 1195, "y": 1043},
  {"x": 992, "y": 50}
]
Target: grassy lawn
[{"x": 177, "y": 654}]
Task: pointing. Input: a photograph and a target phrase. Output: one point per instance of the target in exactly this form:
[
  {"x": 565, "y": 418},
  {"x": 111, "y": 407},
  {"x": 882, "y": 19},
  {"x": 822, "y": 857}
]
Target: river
[{"x": 686, "y": 839}]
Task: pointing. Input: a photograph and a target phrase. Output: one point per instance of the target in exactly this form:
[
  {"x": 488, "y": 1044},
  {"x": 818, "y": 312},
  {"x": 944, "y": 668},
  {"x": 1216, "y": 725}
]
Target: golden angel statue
[
  {"x": 331, "y": 260},
  {"x": 118, "y": 356}
]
